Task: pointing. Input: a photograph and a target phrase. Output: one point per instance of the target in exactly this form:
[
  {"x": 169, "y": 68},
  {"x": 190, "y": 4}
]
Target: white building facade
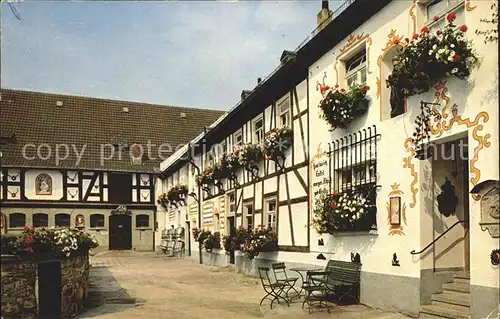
[{"x": 431, "y": 214}]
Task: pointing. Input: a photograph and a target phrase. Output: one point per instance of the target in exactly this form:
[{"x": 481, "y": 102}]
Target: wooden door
[
  {"x": 120, "y": 232},
  {"x": 49, "y": 290}
]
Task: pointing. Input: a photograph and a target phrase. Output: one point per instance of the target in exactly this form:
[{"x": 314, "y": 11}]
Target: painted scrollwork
[
  {"x": 444, "y": 124},
  {"x": 468, "y": 6},
  {"x": 396, "y": 211}
]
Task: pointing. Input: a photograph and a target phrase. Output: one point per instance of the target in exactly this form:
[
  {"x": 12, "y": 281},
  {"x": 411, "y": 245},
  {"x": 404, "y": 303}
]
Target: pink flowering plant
[
  {"x": 340, "y": 107},
  {"x": 250, "y": 155},
  {"x": 206, "y": 177},
  {"x": 425, "y": 58},
  {"x": 341, "y": 212},
  {"x": 259, "y": 240},
  {"x": 276, "y": 142}
]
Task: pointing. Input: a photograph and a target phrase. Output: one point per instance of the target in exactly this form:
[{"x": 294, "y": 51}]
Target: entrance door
[
  {"x": 120, "y": 232},
  {"x": 232, "y": 232},
  {"x": 49, "y": 290}
]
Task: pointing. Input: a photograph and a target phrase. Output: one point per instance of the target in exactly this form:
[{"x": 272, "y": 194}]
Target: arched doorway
[{"x": 120, "y": 229}]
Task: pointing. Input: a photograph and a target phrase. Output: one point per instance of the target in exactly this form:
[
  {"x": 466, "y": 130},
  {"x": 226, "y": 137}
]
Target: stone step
[
  {"x": 460, "y": 287},
  {"x": 459, "y": 280},
  {"x": 445, "y": 311},
  {"x": 429, "y": 316},
  {"x": 453, "y": 297},
  {"x": 462, "y": 274}
]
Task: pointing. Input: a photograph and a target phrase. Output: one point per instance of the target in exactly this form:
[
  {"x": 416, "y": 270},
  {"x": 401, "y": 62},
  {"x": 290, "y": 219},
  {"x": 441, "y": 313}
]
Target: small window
[
  {"x": 17, "y": 220},
  {"x": 223, "y": 147},
  {"x": 40, "y": 220},
  {"x": 210, "y": 159},
  {"x": 258, "y": 129},
  {"x": 63, "y": 220},
  {"x": 271, "y": 213},
  {"x": 232, "y": 202},
  {"x": 237, "y": 139},
  {"x": 97, "y": 221},
  {"x": 356, "y": 69},
  {"x": 141, "y": 221},
  {"x": 284, "y": 112},
  {"x": 440, "y": 9},
  {"x": 249, "y": 216}
]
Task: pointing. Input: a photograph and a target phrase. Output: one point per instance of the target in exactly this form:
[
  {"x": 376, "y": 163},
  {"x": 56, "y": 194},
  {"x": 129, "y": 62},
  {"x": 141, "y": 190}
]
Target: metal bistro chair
[
  {"x": 273, "y": 290},
  {"x": 281, "y": 276}
]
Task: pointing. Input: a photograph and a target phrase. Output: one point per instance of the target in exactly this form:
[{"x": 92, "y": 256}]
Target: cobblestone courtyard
[{"x": 145, "y": 285}]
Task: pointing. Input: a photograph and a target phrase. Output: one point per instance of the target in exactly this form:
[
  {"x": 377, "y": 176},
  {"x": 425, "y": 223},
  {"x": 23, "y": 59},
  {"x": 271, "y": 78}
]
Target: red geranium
[
  {"x": 425, "y": 30},
  {"x": 396, "y": 41},
  {"x": 463, "y": 28},
  {"x": 451, "y": 17},
  {"x": 436, "y": 18},
  {"x": 28, "y": 240},
  {"x": 366, "y": 88}
]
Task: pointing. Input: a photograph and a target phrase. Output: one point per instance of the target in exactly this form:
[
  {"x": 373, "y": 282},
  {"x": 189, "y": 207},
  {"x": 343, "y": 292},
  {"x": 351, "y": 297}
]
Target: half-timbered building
[
  {"x": 394, "y": 114},
  {"x": 88, "y": 163}
]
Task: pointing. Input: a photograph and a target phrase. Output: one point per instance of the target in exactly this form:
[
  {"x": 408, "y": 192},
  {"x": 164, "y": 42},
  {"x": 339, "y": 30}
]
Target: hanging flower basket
[
  {"x": 340, "y": 107},
  {"x": 346, "y": 211},
  {"x": 250, "y": 156},
  {"x": 426, "y": 58},
  {"x": 276, "y": 143},
  {"x": 178, "y": 194},
  {"x": 206, "y": 177},
  {"x": 163, "y": 200}
]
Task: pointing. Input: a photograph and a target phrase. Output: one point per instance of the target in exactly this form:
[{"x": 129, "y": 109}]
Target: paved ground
[{"x": 145, "y": 285}]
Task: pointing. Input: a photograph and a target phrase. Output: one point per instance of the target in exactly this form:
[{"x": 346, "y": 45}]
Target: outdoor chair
[
  {"x": 274, "y": 290},
  {"x": 281, "y": 276}
]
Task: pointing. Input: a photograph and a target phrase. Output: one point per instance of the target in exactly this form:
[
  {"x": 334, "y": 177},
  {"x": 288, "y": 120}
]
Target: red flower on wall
[
  {"x": 28, "y": 240},
  {"x": 463, "y": 28},
  {"x": 451, "y": 17},
  {"x": 436, "y": 18}
]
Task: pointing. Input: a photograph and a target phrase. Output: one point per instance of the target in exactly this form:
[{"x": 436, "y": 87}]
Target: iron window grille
[{"x": 353, "y": 169}]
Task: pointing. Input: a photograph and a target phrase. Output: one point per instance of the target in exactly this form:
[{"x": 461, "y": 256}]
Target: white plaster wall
[
  {"x": 258, "y": 195},
  {"x": 377, "y": 250},
  {"x": 299, "y": 218},
  {"x": 30, "y": 191}
]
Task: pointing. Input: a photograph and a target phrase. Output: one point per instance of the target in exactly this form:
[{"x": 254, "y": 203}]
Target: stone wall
[
  {"x": 74, "y": 285},
  {"x": 18, "y": 294},
  {"x": 19, "y": 287}
]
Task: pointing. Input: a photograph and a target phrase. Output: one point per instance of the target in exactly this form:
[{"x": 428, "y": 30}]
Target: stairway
[{"x": 453, "y": 302}]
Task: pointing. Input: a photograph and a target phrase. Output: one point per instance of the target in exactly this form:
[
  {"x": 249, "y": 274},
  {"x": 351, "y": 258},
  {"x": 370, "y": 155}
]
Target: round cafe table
[{"x": 301, "y": 271}]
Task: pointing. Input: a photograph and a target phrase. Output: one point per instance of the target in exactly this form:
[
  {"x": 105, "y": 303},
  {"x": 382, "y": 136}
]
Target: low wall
[{"x": 19, "y": 283}]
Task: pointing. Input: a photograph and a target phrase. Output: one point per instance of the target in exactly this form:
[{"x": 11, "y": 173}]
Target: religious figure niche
[
  {"x": 43, "y": 184},
  {"x": 80, "y": 221},
  {"x": 490, "y": 212},
  {"x": 447, "y": 200},
  {"x": 397, "y": 96}
]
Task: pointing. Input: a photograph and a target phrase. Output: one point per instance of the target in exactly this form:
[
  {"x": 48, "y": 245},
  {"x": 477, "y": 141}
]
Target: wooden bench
[{"x": 340, "y": 278}]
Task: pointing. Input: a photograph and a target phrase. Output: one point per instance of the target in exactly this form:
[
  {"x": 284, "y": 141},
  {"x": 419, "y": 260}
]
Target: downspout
[{"x": 199, "y": 192}]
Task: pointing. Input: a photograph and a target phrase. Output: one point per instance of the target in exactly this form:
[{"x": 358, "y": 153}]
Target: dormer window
[{"x": 356, "y": 69}]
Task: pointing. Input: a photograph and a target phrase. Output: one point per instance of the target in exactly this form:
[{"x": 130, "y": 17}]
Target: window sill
[
  {"x": 373, "y": 232},
  {"x": 16, "y": 228},
  {"x": 97, "y": 228},
  {"x": 144, "y": 228}
]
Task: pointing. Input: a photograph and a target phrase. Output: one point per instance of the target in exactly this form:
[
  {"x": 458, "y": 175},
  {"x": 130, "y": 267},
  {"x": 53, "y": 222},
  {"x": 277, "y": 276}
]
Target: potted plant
[
  {"x": 260, "y": 240},
  {"x": 250, "y": 156},
  {"x": 163, "y": 200},
  {"x": 426, "y": 57},
  {"x": 340, "y": 107},
  {"x": 276, "y": 142}
]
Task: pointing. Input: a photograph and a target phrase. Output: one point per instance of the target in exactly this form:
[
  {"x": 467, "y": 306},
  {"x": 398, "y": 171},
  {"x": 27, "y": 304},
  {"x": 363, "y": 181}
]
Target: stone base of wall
[
  {"x": 20, "y": 298},
  {"x": 484, "y": 301}
]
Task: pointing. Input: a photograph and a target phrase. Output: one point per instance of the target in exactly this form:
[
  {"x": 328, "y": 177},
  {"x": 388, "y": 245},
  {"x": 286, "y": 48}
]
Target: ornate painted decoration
[
  {"x": 445, "y": 124},
  {"x": 121, "y": 210},
  {"x": 490, "y": 213},
  {"x": 468, "y": 6},
  {"x": 43, "y": 184},
  {"x": 352, "y": 41},
  {"x": 413, "y": 16},
  {"x": 396, "y": 211},
  {"x": 79, "y": 221}
]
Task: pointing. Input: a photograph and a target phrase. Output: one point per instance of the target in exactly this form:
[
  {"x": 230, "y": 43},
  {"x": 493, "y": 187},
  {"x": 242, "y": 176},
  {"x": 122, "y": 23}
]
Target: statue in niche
[
  {"x": 43, "y": 184},
  {"x": 447, "y": 200},
  {"x": 397, "y": 98}
]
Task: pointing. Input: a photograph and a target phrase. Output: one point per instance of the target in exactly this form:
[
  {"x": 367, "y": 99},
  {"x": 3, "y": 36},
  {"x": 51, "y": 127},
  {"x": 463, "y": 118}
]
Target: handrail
[{"x": 435, "y": 240}]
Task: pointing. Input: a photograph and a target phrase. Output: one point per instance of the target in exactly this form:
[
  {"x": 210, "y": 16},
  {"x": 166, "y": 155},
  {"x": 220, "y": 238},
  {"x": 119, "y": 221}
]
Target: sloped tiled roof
[{"x": 34, "y": 118}]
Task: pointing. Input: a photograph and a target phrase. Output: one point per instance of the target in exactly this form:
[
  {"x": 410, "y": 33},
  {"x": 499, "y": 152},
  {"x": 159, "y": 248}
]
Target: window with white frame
[
  {"x": 237, "y": 139},
  {"x": 248, "y": 216},
  {"x": 355, "y": 68},
  {"x": 232, "y": 202},
  {"x": 210, "y": 158},
  {"x": 258, "y": 129},
  {"x": 284, "y": 112},
  {"x": 222, "y": 147},
  {"x": 438, "y": 10},
  {"x": 271, "y": 212}
]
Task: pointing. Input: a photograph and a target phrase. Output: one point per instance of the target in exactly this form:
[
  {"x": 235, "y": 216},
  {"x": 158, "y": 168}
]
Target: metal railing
[{"x": 413, "y": 252}]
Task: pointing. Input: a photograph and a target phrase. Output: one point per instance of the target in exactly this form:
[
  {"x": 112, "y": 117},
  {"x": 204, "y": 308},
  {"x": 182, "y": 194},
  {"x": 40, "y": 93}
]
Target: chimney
[{"x": 325, "y": 16}]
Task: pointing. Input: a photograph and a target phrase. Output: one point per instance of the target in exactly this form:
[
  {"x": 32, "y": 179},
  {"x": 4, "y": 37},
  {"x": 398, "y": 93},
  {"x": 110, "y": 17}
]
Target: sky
[{"x": 198, "y": 54}]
